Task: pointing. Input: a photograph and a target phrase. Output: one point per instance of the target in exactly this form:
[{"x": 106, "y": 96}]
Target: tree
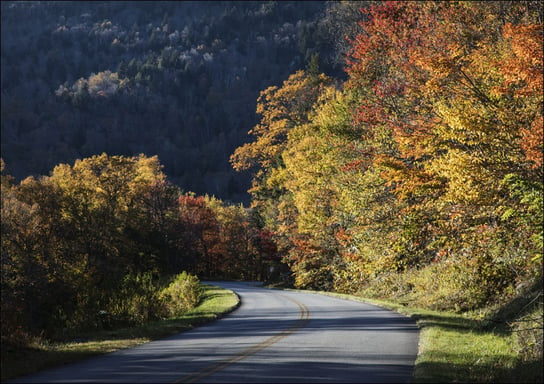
[
  {"x": 282, "y": 110},
  {"x": 200, "y": 235},
  {"x": 429, "y": 74}
]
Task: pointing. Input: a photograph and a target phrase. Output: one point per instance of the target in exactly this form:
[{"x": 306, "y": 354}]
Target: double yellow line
[{"x": 210, "y": 370}]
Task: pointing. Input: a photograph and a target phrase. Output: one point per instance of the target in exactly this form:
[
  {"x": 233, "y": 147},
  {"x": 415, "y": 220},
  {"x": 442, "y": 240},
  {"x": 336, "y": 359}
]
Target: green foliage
[
  {"x": 527, "y": 210},
  {"x": 182, "y": 294},
  {"x": 419, "y": 178},
  {"x": 136, "y": 301}
]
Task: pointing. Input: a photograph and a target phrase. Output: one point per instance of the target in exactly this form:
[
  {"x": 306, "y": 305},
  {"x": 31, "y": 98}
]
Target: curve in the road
[
  {"x": 304, "y": 317},
  {"x": 270, "y": 338}
]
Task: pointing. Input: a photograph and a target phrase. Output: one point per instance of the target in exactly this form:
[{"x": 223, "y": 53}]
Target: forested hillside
[
  {"x": 416, "y": 174},
  {"x": 173, "y": 79},
  {"x": 420, "y": 177},
  {"x": 429, "y": 156}
]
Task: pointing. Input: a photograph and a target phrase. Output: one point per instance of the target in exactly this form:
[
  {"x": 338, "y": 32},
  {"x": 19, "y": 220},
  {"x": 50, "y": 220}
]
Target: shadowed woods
[{"x": 74, "y": 347}]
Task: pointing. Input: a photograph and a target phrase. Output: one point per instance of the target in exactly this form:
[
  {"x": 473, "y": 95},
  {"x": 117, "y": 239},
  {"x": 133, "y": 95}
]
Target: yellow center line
[{"x": 210, "y": 370}]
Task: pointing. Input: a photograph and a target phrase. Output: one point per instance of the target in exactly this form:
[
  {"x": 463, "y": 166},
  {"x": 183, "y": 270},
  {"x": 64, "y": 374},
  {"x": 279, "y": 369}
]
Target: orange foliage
[
  {"x": 523, "y": 69},
  {"x": 523, "y": 74},
  {"x": 280, "y": 109}
]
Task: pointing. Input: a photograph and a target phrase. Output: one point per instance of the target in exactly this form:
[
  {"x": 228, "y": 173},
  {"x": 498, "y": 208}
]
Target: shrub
[
  {"x": 182, "y": 294},
  {"x": 136, "y": 301}
]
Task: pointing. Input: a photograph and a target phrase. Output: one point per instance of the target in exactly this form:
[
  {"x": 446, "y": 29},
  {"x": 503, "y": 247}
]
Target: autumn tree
[
  {"x": 430, "y": 158},
  {"x": 199, "y": 238},
  {"x": 31, "y": 269},
  {"x": 281, "y": 109},
  {"x": 83, "y": 240},
  {"x": 430, "y": 74}
]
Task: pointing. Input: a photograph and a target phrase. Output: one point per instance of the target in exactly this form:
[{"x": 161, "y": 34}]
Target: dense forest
[
  {"x": 107, "y": 234},
  {"x": 420, "y": 176},
  {"x": 428, "y": 158},
  {"x": 173, "y": 79},
  {"x": 415, "y": 175}
]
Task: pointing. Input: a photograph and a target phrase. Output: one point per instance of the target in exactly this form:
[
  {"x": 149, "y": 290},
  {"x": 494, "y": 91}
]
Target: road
[{"x": 273, "y": 337}]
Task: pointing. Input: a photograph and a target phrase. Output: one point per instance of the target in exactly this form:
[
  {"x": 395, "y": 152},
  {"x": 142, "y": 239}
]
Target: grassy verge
[
  {"x": 462, "y": 348},
  {"x": 41, "y": 355}
]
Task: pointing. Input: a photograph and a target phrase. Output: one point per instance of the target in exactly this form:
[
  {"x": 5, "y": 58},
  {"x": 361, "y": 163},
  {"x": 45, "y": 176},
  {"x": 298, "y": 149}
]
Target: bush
[
  {"x": 459, "y": 284},
  {"x": 182, "y": 294},
  {"x": 135, "y": 302}
]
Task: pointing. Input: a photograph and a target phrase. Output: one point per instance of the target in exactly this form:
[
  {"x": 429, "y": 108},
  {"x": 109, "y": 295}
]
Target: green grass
[
  {"x": 462, "y": 348},
  {"x": 41, "y": 354}
]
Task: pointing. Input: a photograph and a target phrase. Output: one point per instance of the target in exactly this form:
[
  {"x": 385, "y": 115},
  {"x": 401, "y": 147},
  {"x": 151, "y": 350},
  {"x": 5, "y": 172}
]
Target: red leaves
[
  {"x": 523, "y": 70},
  {"x": 429, "y": 73},
  {"x": 266, "y": 244},
  {"x": 440, "y": 105},
  {"x": 195, "y": 214},
  {"x": 523, "y": 73},
  {"x": 344, "y": 237}
]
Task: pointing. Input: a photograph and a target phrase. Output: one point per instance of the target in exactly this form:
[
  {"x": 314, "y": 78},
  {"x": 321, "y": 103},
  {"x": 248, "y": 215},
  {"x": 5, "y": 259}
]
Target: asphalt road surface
[{"x": 273, "y": 337}]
